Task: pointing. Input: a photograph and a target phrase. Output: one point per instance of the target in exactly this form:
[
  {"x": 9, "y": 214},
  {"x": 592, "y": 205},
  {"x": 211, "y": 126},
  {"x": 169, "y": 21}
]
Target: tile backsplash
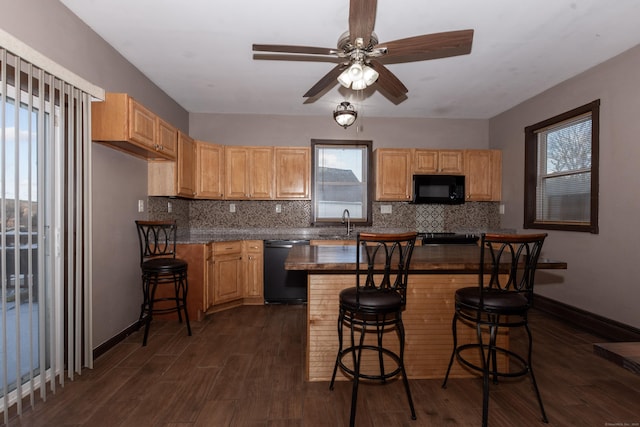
[{"x": 215, "y": 214}]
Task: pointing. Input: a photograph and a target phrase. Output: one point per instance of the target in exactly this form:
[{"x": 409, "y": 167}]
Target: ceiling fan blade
[
  {"x": 388, "y": 81},
  {"x": 328, "y": 79},
  {"x": 308, "y": 50},
  {"x": 362, "y": 18},
  {"x": 300, "y": 58},
  {"x": 428, "y": 46}
]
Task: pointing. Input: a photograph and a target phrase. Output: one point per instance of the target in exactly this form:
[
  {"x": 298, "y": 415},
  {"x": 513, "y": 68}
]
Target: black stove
[{"x": 448, "y": 238}]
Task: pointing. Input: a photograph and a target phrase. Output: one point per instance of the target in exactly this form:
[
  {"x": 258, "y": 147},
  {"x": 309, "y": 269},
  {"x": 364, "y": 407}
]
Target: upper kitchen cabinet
[
  {"x": 167, "y": 138},
  {"x": 248, "y": 173},
  {"x": 483, "y": 171},
  {"x": 394, "y": 174},
  {"x": 209, "y": 170},
  {"x": 439, "y": 162},
  {"x": 293, "y": 173},
  {"x": 124, "y": 124},
  {"x": 186, "y": 166}
]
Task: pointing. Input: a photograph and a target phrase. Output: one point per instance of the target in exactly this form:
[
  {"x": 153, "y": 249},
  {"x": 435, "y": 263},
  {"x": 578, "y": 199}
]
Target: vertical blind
[{"x": 45, "y": 242}]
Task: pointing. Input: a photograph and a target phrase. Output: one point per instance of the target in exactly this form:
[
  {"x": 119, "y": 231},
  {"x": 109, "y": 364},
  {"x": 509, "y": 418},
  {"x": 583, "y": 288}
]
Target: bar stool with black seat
[
  {"x": 509, "y": 264},
  {"x": 375, "y": 305},
  {"x": 160, "y": 267}
]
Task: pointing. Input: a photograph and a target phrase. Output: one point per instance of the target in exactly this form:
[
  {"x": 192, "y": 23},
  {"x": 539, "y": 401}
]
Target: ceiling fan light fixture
[
  {"x": 369, "y": 75},
  {"x": 356, "y": 71},
  {"x": 345, "y": 114},
  {"x": 345, "y": 79},
  {"x": 358, "y": 76}
]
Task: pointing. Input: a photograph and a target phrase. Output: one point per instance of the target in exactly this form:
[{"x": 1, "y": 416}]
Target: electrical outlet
[
  {"x": 232, "y": 207},
  {"x": 140, "y": 205},
  {"x": 501, "y": 208},
  {"x": 169, "y": 207},
  {"x": 385, "y": 209},
  {"x": 278, "y": 208}
]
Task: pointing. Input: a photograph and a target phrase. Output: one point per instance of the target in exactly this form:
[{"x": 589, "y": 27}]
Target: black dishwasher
[{"x": 280, "y": 285}]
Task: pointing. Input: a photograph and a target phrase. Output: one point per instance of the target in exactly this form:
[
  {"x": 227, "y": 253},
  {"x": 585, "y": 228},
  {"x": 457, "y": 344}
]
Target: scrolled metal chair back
[
  {"x": 157, "y": 239},
  {"x": 387, "y": 258},
  {"x": 511, "y": 262}
]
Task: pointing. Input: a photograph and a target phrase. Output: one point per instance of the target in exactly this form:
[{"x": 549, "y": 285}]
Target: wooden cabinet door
[
  {"x": 236, "y": 166},
  {"x": 228, "y": 277},
  {"x": 228, "y": 282},
  {"x": 393, "y": 174},
  {"x": 254, "y": 271},
  {"x": 483, "y": 171},
  {"x": 248, "y": 173},
  {"x": 142, "y": 125},
  {"x": 293, "y": 173},
  {"x": 186, "y": 166},
  {"x": 167, "y": 139},
  {"x": 439, "y": 162},
  {"x": 451, "y": 162},
  {"x": 209, "y": 170},
  {"x": 261, "y": 173},
  {"x": 425, "y": 161}
]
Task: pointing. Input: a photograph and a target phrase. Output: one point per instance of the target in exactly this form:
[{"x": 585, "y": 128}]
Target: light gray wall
[
  {"x": 238, "y": 129},
  {"x": 602, "y": 274},
  {"x": 119, "y": 180}
]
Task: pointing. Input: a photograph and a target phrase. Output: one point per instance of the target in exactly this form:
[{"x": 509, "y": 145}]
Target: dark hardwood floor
[{"x": 244, "y": 367}]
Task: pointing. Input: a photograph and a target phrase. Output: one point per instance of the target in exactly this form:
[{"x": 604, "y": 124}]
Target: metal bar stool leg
[{"x": 405, "y": 380}]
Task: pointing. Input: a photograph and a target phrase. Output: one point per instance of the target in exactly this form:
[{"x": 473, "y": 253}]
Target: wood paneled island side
[{"x": 436, "y": 272}]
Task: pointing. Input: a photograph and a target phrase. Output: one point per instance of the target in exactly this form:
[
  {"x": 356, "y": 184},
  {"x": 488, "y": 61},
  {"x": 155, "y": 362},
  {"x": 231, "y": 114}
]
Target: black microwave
[{"x": 438, "y": 189}]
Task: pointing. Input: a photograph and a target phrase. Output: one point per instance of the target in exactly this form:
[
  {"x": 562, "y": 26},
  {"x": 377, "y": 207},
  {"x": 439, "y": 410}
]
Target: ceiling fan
[{"x": 361, "y": 59}]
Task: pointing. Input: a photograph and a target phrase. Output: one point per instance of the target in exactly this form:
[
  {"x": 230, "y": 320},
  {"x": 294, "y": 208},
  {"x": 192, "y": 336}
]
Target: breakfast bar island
[{"x": 435, "y": 274}]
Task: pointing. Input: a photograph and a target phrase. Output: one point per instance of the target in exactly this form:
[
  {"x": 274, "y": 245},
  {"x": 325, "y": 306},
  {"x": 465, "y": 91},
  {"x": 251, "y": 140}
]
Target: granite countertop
[
  {"x": 225, "y": 235},
  {"x": 309, "y": 233},
  {"x": 460, "y": 259}
]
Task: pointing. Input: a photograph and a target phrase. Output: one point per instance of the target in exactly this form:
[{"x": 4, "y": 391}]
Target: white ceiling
[{"x": 200, "y": 51}]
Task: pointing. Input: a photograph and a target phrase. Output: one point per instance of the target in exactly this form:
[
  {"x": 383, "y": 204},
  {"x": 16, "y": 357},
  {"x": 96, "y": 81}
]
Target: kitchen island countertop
[{"x": 460, "y": 259}]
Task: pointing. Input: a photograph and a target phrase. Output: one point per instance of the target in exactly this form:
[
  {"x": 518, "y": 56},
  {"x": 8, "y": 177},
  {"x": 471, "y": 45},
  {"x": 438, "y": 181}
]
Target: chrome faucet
[{"x": 346, "y": 214}]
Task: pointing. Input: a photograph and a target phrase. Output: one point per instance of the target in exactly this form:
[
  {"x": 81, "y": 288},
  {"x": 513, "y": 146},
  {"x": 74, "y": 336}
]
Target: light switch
[
  {"x": 232, "y": 207},
  {"x": 140, "y": 205}
]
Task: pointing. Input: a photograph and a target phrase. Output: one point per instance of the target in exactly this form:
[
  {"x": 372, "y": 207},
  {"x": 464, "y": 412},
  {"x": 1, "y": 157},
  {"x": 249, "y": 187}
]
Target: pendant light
[{"x": 345, "y": 115}]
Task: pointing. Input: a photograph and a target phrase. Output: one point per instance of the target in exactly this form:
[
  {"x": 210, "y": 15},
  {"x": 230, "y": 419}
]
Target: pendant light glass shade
[
  {"x": 358, "y": 76},
  {"x": 345, "y": 115}
]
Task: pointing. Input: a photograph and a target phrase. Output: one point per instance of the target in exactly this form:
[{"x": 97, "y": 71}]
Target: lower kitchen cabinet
[
  {"x": 196, "y": 257},
  {"x": 228, "y": 272},
  {"x": 254, "y": 272},
  {"x": 222, "y": 275}
]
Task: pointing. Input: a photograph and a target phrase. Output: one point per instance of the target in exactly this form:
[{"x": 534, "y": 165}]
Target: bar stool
[
  {"x": 160, "y": 266},
  {"x": 375, "y": 305},
  {"x": 503, "y": 303}
]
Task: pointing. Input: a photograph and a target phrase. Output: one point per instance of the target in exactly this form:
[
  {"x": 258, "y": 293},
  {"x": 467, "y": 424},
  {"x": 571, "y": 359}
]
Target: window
[
  {"x": 340, "y": 180},
  {"x": 561, "y": 171}
]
